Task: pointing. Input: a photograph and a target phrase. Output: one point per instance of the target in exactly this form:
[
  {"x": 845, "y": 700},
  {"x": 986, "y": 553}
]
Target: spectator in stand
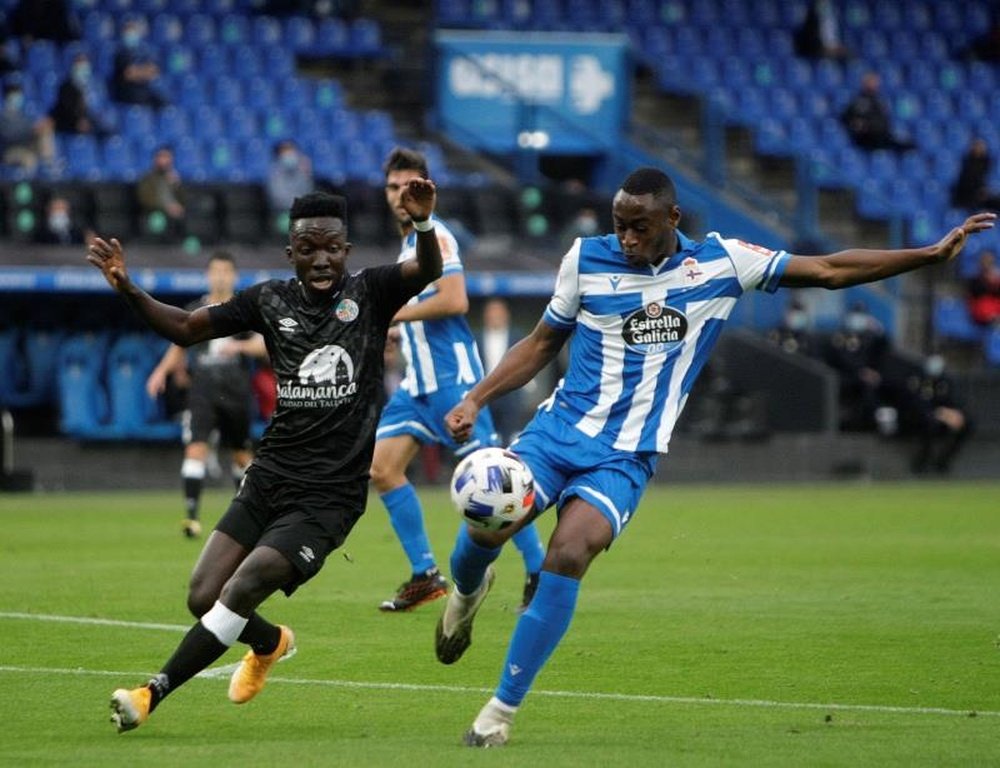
[
  {"x": 585, "y": 223},
  {"x": 984, "y": 291},
  {"x": 24, "y": 141},
  {"x": 72, "y": 112},
  {"x": 857, "y": 351},
  {"x": 929, "y": 409},
  {"x": 135, "y": 70},
  {"x": 160, "y": 191},
  {"x": 819, "y": 35},
  {"x": 290, "y": 176},
  {"x": 59, "y": 228},
  {"x": 44, "y": 20},
  {"x": 793, "y": 335},
  {"x": 867, "y": 118},
  {"x": 970, "y": 190}
]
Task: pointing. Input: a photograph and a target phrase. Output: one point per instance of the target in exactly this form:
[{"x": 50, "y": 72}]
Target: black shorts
[
  {"x": 230, "y": 415},
  {"x": 304, "y": 523}
]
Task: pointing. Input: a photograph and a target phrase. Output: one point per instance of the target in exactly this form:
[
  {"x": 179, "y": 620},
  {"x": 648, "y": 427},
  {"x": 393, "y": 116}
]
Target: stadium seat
[
  {"x": 83, "y": 401},
  {"x": 166, "y": 29},
  {"x": 266, "y": 31},
  {"x": 134, "y": 414},
  {"x": 119, "y": 160},
  {"x": 952, "y": 321},
  {"x": 200, "y": 31}
]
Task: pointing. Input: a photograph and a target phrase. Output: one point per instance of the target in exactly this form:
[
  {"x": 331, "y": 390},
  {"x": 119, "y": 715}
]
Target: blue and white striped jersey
[
  {"x": 439, "y": 353},
  {"x": 643, "y": 334}
]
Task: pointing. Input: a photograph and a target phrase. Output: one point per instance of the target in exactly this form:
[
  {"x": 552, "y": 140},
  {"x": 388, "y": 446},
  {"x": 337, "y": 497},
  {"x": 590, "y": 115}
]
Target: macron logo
[
  {"x": 287, "y": 324},
  {"x": 514, "y": 669},
  {"x": 614, "y": 280}
]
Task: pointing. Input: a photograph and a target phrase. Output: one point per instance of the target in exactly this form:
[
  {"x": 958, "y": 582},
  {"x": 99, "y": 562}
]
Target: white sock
[{"x": 193, "y": 469}]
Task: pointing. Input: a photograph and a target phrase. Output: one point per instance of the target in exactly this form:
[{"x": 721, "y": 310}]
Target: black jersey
[
  {"x": 328, "y": 360},
  {"x": 218, "y": 377}
]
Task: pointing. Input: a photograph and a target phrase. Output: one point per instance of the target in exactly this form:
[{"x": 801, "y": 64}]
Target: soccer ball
[{"x": 492, "y": 488}]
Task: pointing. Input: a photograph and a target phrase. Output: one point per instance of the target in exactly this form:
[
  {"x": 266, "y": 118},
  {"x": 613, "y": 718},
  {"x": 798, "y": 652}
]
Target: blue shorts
[
  {"x": 422, "y": 417},
  {"x": 566, "y": 463}
]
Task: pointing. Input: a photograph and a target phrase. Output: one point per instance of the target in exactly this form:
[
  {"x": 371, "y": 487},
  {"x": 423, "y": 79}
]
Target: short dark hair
[
  {"x": 222, "y": 256},
  {"x": 316, "y": 204},
  {"x": 650, "y": 181},
  {"x": 403, "y": 159}
]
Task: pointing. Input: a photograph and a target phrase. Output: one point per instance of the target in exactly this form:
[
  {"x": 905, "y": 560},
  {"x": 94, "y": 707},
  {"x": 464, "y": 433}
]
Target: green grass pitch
[{"x": 764, "y": 625}]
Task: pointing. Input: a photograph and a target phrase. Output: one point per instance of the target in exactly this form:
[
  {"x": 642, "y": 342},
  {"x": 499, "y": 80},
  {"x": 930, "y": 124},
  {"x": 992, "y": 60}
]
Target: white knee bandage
[{"x": 193, "y": 469}]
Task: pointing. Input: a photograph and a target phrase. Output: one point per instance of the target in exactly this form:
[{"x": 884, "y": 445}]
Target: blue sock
[
  {"x": 537, "y": 634},
  {"x": 407, "y": 520},
  {"x": 530, "y": 545},
  {"x": 469, "y": 561}
]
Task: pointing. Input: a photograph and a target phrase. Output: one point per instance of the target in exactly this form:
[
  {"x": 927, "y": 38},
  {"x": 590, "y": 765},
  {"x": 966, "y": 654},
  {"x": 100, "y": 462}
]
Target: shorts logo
[
  {"x": 347, "y": 311},
  {"x": 307, "y": 554},
  {"x": 654, "y": 328}
]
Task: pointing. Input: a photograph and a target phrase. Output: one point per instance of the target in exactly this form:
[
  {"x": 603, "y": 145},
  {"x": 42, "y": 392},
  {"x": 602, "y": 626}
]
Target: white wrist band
[{"x": 423, "y": 226}]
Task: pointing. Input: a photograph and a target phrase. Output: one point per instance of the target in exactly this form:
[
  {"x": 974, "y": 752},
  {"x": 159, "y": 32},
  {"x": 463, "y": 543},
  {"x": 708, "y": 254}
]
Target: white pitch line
[
  {"x": 89, "y": 620},
  {"x": 621, "y": 697}
]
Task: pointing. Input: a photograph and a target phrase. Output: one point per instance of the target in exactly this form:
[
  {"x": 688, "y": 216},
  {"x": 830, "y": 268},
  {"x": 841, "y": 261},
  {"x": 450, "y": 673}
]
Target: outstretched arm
[
  {"x": 450, "y": 299},
  {"x": 857, "y": 265},
  {"x": 519, "y": 365},
  {"x": 173, "y": 323},
  {"x": 418, "y": 198}
]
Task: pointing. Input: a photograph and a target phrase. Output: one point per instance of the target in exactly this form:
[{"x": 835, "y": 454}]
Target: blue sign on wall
[{"x": 556, "y": 93}]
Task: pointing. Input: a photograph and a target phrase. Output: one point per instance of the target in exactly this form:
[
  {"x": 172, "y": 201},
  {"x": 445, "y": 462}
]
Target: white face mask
[
  {"x": 934, "y": 366},
  {"x": 797, "y": 320},
  {"x": 59, "y": 221},
  {"x": 856, "y": 322}
]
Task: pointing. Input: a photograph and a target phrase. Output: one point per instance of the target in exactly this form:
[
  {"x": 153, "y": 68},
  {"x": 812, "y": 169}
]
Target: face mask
[
  {"x": 14, "y": 101},
  {"x": 289, "y": 160},
  {"x": 797, "y": 320},
  {"x": 856, "y": 322},
  {"x": 934, "y": 366},
  {"x": 59, "y": 221},
  {"x": 81, "y": 73},
  {"x": 587, "y": 225},
  {"x": 132, "y": 38}
]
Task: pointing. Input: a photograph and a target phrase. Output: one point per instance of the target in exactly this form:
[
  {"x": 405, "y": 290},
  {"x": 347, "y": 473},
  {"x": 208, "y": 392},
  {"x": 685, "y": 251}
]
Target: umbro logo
[
  {"x": 287, "y": 324},
  {"x": 307, "y": 554},
  {"x": 614, "y": 280},
  {"x": 514, "y": 669}
]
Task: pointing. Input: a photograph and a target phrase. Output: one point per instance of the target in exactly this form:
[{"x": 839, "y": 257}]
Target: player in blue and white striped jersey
[
  {"x": 442, "y": 363},
  {"x": 645, "y": 307}
]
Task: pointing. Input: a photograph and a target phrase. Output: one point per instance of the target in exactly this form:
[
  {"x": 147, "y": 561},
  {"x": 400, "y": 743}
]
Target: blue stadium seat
[
  {"x": 299, "y": 33},
  {"x": 991, "y": 347},
  {"x": 261, "y": 94},
  {"x": 266, "y": 31},
  {"x": 219, "y": 7},
  {"x": 227, "y": 92},
  {"x": 256, "y": 159},
  {"x": 366, "y": 37},
  {"x": 98, "y": 27},
  {"x": 83, "y": 401},
  {"x": 176, "y": 59},
  {"x": 952, "y": 321},
  {"x": 279, "y": 63},
  {"x": 149, "y": 7},
  {"x": 207, "y": 123},
  {"x": 166, "y": 29},
  {"x": 172, "y": 123},
  {"x": 190, "y": 91},
  {"x": 377, "y": 125},
  {"x": 328, "y": 161},
  {"x": 333, "y": 36},
  {"x": 241, "y": 124},
  {"x": 245, "y": 61},
  {"x": 234, "y": 29},
  {"x": 275, "y": 125},
  {"x": 200, "y": 30},
  {"x": 224, "y": 160},
  {"x": 120, "y": 161},
  {"x": 327, "y": 95},
  {"x": 134, "y": 414},
  {"x": 344, "y": 125},
  {"x": 212, "y": 61},
  {"x": 81, "y": 155},
  {"x": 189, "y": 159}
]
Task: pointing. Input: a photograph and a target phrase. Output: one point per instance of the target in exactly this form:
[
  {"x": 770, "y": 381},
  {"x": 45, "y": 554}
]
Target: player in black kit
[
  {"x": 325, "y": 332},
  {"x": 219, "y": 395}
]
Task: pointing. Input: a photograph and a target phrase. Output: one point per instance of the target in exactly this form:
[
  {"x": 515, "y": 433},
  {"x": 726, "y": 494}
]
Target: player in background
[
  {"x": 325, "y": 331},
  {"x": 219, "y": 394},
  {"x": 644, "y": 306},
  {"x": 442, "y": 363}
]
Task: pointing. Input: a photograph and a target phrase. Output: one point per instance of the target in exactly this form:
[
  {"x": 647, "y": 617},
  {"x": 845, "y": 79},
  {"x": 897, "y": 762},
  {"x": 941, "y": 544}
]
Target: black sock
[
  {"x": 261, "y": 635},
  {"x": 192, "y": 496},
  {"x": 197, "y": 650}
]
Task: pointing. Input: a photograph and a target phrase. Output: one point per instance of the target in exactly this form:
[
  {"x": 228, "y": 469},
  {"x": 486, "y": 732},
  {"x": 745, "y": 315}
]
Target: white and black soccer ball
[{"x": 492, "y": 488}]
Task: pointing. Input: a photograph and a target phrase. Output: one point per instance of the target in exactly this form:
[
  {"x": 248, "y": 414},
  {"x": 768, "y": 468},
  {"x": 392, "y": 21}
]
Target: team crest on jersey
[
  {"x": 654, "y": 328},
  {"x": 690, "y": 269},
  {"x": 347, "y": 310}
]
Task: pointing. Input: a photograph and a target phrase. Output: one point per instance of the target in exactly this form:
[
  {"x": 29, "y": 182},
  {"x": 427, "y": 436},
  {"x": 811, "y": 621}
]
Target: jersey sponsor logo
[
  {"x": 654, "y": 328},
  {"x": 326, "y": 379},
  {"x": 287, "y": 324},
  {"x": 755, "y": 247},
  {"x": 347, "y": 311}
]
